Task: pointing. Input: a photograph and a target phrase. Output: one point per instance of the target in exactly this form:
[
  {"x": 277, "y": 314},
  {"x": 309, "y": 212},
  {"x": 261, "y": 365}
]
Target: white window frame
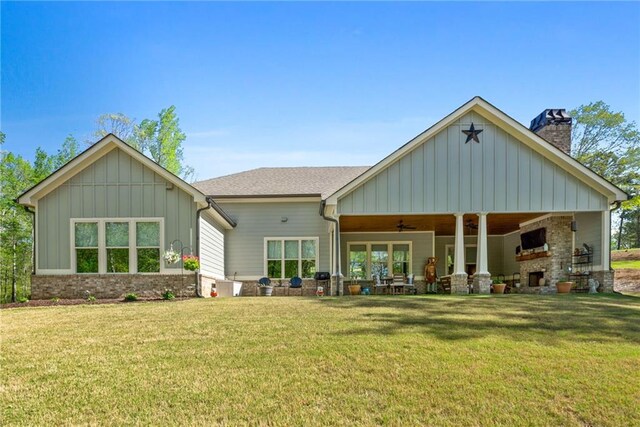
[
  {"x": 389, "y": 244},
  {"x": 102, "y": 246},
  {"x": 316, "y": 239}
]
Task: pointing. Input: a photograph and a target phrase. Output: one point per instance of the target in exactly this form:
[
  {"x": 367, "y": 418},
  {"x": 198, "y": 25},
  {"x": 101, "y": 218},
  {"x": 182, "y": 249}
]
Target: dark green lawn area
[{"x": 445, "y": 360}]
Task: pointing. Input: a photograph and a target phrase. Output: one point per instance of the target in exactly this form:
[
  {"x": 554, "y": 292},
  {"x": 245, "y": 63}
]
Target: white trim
[
  {"x": 543, "y": 217},
  {"x": 265, "y": 199},
  {"x": 512, "y": 127},
  {"x": 102, "y": 249},
  {"x": 368, "y": 244},
  {"x": 282, "y": 255},
  {"x": 606, "y": 240},
  {"x": 466, "y": 263}
]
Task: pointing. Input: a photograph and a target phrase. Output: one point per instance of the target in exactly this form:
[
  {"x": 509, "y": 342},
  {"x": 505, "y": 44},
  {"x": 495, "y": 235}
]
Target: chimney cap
[{"x": 550, "y": 116}]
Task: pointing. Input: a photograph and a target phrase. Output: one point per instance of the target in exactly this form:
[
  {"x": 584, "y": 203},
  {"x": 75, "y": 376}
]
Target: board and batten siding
[
  {"x": 211, "y": 247},
  {"x": 500, "y": 174},
  {"x": 589, "y": 231},
  {"x": 114, "y": 186},
  {"x": 421, "y": 247},
  {"x": 510, "y": 243},
  {"x": 255, "y": 221}
]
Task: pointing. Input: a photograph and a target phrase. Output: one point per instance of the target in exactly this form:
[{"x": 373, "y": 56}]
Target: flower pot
[
  {"x": 498, "y": 288},
  {"x": 354, "y": 289},
  {"x": 564, "y": 287},
  {"x": 265, "y": 291}
]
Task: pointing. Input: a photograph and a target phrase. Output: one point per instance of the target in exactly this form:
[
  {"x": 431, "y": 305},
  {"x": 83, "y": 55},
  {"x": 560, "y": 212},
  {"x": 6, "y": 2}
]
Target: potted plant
[
  {"x": 354, "y": 287},
  {"x": 498, "y": 286},
  {"x": 190, "y": 262},
  {"x": 171, "y": 256},
  {"x": 564, "y": 286},
  {"x": 265, "y": 288}
]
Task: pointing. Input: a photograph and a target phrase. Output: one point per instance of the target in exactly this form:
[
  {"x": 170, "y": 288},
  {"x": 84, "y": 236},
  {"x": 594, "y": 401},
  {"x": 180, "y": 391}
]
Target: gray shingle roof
[{"x": 322, "y": 181}]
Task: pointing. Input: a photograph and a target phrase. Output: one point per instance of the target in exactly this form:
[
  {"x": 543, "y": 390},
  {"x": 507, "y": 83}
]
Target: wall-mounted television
[{"x": 534, "y": 238}]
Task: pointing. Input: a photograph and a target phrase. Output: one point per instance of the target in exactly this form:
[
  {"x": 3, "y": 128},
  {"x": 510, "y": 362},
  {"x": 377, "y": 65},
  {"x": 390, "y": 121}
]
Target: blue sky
[{"x": 292, "y": 84}]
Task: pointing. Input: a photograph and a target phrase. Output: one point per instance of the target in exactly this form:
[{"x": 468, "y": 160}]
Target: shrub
[
  {"x": 55, "y": 299},
  {"x": 168, "y": 295},
  {"x": 23, "y": 300},
  {"x": 131, "y": 297},
  {"x": 91, "y": 298}
]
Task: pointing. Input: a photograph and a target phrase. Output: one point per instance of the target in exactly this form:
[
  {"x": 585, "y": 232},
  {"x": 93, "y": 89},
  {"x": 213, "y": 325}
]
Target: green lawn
[
  {"x": 635, "y": 264},
  {"x": 445, "y": 360}
]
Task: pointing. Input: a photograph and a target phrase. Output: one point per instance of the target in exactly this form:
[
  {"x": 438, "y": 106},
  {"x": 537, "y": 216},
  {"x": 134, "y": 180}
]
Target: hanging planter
[
  {"x": 171, "y": 256},
  {"x": 190, "y": 262}
]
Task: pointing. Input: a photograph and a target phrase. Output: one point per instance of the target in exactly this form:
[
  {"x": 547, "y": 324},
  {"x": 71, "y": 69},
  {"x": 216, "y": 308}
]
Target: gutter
[
  {"x": 33, "y": 242},
  {"x": 338, "y": 274},
  {"x": 210, "y": 205}
]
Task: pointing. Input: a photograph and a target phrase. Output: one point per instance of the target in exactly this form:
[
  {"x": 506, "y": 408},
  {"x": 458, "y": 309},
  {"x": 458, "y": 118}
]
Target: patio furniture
[
  {"x": 410, "y": 287},
  {"x": 265, "y": 283},
  {"x": 397, "y": 285},
  {"x": 323, "y": 280},
  {"x": 294, "y": 283},
  {"x": 445, "y": 285},
  {"x": 379, "y": 286}
]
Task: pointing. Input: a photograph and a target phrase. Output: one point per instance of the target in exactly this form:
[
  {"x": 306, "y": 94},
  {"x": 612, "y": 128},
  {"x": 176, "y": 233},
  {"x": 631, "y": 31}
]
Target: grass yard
[
  {"x": 634, "y": 264},
  {"x": 427, "y": 360}
]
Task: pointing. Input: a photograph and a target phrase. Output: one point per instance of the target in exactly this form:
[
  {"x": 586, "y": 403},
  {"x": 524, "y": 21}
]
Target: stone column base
[
  {"x": 459, "y": 284},
  {"x": 482, "y": 283}
]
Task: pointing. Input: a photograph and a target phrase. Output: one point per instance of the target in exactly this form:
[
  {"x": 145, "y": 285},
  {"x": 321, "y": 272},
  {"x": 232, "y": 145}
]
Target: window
[
  {"x": 358, "y": 261},
  {"x": 119, "y": 245},
  {"x": 117, "y": 239},
  {"x": 148, "y": 247},
  {"x": 368, "y": 259},
  {"x": 290, "y": 257},
  {"x": 86, "y": 247}
]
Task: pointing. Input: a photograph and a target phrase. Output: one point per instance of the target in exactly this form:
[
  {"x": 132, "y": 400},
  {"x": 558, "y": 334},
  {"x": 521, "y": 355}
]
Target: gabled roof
[
  {"x": 511, "y": 126},
  {"x": 281, "y": 182},
  {"x": 98, "y": 150}
]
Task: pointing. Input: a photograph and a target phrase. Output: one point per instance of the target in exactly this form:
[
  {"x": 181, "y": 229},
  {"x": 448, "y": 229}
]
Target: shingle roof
[{"x": 298, "y": 181}]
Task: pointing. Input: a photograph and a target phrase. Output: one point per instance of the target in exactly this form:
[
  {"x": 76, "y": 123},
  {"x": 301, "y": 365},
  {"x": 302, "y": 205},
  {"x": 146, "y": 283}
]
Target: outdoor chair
[
  {"x": 410, "y": 287},
  {"x": 398, "y": 283},
  {"x": 378, "y": 286},
  {"x": 295, "y": 283},
  {"x": 445, "y": 285}
]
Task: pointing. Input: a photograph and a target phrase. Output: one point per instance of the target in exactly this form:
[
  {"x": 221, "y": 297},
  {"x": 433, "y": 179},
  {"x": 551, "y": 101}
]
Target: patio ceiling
[{"x": 443, "y": 225}]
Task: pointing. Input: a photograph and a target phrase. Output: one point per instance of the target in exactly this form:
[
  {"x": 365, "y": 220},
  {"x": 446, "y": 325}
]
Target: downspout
[
  {"x": 198, "y": 293},
  {"x": 336, "y": 235},
  {"x": 33, "y": 234}
]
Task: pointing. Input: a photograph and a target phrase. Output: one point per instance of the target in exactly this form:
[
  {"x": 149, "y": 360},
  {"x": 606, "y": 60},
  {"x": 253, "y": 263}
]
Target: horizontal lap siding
[
  {"x": 494, "y": 255},
  {"x": 114, "y": 186},
  {"x": 421, "y": 246},
  {"x": 245, "y": 243},
  {"x": 211, "y": 247},
  {"x": 589, "y": 231},
  {"x": 500, "y": 174}
]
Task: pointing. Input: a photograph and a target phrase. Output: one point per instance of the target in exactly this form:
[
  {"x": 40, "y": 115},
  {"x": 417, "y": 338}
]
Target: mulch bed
[{"x": 50, "y": 303}]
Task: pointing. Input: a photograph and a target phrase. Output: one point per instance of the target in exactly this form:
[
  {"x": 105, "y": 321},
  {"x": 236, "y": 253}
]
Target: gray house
[{"x": 483, "y": 194}]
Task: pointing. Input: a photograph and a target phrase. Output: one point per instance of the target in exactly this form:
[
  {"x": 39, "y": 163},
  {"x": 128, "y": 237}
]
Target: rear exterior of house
[
  {"x": 478, "y": 191},
  {"x": 104, "y": 221}
]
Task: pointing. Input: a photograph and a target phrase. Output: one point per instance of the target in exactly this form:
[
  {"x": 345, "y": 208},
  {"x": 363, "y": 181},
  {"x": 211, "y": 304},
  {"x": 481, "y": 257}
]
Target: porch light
[{"x": 574, "y": 226}]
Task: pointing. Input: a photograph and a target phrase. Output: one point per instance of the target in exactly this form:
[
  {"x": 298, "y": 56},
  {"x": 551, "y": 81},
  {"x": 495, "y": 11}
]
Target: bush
[
  {"x": 91, "y": 298},
  {"x": 131, "y": 297},
  {"x": 23, "y": 300},
  {"x": 168, "y": 295},
  {"x": 55, "y": 299}
]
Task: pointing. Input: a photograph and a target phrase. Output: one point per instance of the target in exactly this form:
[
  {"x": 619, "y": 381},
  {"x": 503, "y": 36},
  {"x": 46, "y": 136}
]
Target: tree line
[
  {"x": 161, "y": 139},
  {"x": 602, "y": 139}
]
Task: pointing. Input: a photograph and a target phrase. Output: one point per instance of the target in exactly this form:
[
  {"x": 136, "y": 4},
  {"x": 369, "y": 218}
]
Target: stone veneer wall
[
  {"x": 560, "y": 241},
  {"x": 309, "y": 288},
  {"x": 74, "y": 286},
  {"x": 558, "y": 135}
]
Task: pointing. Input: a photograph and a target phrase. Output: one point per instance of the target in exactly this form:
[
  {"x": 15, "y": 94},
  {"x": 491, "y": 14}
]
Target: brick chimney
[{"x": 554, "y": 125}]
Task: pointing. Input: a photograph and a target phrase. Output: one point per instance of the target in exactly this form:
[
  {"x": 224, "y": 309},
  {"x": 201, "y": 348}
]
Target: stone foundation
[
  {"x": 481, "y": 283},
  {"x": 80, "y": 286},
  {"x": 281, "y": 288},
  {"x": 605, "y": 278},
  {"x": 459, "y": 284}
]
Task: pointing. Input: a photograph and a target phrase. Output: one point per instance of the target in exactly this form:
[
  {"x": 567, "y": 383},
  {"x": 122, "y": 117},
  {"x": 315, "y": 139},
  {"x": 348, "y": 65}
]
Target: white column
[
  {"x": 606, "y": 240},
  {"x": 482, "y": 264},
  {"x": 458, "y": 260}
]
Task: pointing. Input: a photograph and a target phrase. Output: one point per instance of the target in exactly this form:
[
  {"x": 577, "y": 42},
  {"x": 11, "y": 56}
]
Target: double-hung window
[
  {"x": 290, "y": 257},
  {"x": 119, "y": 245}
]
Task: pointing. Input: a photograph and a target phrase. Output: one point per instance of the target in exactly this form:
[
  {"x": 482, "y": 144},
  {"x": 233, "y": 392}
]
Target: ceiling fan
[
  {"x": 402, "y": 226},
  {"x": 470, "y": 225}
]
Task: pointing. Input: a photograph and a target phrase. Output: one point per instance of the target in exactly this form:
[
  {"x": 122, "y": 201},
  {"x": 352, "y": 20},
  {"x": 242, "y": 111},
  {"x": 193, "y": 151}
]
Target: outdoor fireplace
[{"x": 534, "y": 277}]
